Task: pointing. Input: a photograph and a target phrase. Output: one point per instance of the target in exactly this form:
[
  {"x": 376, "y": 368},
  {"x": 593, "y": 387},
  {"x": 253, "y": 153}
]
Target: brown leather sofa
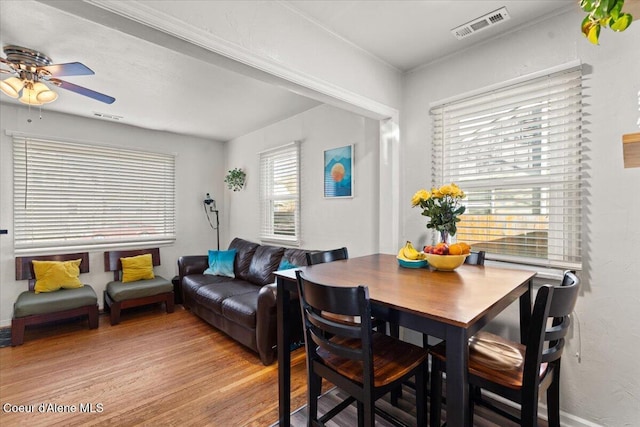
[{"x": 243, "y": 307}]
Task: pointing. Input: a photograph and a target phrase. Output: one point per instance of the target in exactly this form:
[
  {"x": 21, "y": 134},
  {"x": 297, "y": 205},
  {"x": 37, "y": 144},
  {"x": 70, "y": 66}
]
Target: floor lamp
[{"x": 208, "y": 201}]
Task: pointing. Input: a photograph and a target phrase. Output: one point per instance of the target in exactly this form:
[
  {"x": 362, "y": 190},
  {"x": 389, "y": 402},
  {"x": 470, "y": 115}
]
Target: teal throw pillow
[
  {"x": 285, "y": 264},
  {"x": 221, "y": 263}
]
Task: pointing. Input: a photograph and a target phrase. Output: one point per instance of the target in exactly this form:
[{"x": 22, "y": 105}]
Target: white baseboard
[{"x": 566, "y": 419}]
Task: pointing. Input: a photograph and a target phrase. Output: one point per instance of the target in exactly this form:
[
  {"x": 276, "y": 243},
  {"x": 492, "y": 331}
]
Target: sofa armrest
[
  {"x": 267, "y": 322},
  {"x": 192, "y": 264}
]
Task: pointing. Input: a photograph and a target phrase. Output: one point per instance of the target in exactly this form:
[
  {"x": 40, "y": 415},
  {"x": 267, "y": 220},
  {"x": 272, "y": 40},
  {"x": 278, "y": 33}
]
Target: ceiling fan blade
[
  {"x": 84, "y": 91},
  {"x": 68, "y": 69}
]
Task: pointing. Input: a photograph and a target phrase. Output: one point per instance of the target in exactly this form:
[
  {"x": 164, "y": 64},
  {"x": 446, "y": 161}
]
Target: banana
[{"x": 410, "y": 252}]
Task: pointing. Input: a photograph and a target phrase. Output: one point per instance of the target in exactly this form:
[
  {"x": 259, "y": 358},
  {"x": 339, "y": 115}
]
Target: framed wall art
[{"x": 338, "y": 172}]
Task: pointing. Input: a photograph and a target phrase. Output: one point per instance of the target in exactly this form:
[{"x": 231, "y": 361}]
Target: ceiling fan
[{"x": 32, "y": 68}]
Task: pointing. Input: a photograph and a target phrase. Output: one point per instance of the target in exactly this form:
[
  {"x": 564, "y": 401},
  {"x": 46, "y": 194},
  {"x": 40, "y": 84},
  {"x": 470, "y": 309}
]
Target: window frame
[
  {"x": 564, "y": 252},
  {"x": 289, "y": 157},
  {"x": 75, "y": 195}
]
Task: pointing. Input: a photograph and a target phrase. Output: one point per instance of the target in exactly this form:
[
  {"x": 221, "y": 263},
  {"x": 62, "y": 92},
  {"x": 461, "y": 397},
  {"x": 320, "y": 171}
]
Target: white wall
[
  {"x": 605, "y": 387},
  {"x": 199, "y": 169},
  {"x": 326, "y": 223}
]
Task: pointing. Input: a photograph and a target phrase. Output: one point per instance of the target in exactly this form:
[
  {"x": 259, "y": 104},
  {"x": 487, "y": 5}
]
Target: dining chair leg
[
  {"x": 313, "y": 392},
  {"x": 421, "y": 395},
  {"x": 435, "y": 394},
  {"x": 395, "y": 396},
  {"x": 529, "y": 409},
  {"x": 360, "y": 407},
  {"x": 553, "y": 398},
  {"x": 369, "y": 413},
  {"x": 473, "y": 394},
  {"x": 394, "y": 331}
]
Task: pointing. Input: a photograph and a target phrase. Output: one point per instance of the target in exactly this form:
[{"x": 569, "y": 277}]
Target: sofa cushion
[
  {"x": 212, "y": 296},
  {"x": 241, "y": 309},
  {"x": 193, "y": 282},
  {"x": 245, "y": 249},
  {"x": 296, "y": 257},
  {"x": 264, "y": 262}
]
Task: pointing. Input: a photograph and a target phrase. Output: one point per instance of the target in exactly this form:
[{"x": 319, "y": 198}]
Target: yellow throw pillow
[
  {"x": 137, "y": 268},
  {"x": 53, "y": 275}
]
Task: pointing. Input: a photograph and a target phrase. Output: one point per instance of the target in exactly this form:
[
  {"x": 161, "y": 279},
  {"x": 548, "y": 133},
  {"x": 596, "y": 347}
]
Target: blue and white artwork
[{"x": 338, "y": 172}]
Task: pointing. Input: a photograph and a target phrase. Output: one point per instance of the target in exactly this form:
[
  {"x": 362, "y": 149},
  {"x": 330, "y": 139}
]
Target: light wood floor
[{"x": 153, "y": 368}]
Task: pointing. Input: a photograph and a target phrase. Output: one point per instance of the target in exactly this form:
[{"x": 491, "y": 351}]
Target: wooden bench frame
[
  {"x": 24, "y": 271},
  {"x": 112, "y": 263}
]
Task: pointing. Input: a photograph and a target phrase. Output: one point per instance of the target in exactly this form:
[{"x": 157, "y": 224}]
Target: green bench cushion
[
  {"x": 29, "y": 303},
  {"x": 119, "y": 291}
]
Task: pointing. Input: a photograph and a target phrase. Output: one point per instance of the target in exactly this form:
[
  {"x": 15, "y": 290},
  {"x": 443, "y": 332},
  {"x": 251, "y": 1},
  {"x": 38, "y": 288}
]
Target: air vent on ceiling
[
  {"x": 106, "y": 116},
  {"x": 478, "y": 24}
]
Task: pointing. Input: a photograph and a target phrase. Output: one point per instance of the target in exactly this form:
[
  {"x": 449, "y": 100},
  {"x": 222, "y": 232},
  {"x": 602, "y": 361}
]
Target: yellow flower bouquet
[{"x": 442, "y": 206}]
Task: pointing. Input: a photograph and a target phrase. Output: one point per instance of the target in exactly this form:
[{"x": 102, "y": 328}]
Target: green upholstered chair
[
  {"x": 118, "y": 295},
  {"x": 31, "y": 308}
]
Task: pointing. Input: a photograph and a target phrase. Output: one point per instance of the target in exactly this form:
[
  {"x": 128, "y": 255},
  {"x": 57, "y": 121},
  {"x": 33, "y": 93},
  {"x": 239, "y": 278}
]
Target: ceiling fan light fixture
[
  {"x": 37, "y": 94},
  {"x": 32, "y": 68},
  {"x": 30, "y": 93},
  {"x": 46, "y": 96},
  {"x": 11, "y": 86}
]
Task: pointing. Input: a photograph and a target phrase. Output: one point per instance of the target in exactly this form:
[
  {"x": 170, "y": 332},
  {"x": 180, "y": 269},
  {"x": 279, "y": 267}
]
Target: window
[
  {"x": 73, "y": 195},
  {"x": 516, "y": 152},
  {"x": 280, "y": 194}
]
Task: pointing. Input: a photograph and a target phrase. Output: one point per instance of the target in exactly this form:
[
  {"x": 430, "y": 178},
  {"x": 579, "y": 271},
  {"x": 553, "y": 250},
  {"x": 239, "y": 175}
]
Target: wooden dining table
[{"x": 450, "y": 305}]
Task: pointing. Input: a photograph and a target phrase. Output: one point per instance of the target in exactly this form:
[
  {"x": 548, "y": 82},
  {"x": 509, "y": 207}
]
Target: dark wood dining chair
[
  {"x": 331, "y": 255},
  {"x": 475, "y": 258},
  {"x": 363, "y": 363},
  {"x": 512, "y": 370}
]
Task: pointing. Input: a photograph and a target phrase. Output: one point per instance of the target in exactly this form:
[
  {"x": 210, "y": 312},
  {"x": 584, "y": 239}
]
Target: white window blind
[
  {"x": 73, "y": 195},
  {"x": 280, "y": 194},
  {"x": 516, "y": 153}
]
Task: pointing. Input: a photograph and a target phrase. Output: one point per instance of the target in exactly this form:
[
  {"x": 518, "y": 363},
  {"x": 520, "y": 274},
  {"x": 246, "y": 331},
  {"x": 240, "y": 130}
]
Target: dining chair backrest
[
  {"x": 475, "y": 258},
  {"x": 564, "y": 301},
  {"x": 546, "y": 343},
  {"x": 316, "y": 300},
  {"x": 327, "y": 256}
]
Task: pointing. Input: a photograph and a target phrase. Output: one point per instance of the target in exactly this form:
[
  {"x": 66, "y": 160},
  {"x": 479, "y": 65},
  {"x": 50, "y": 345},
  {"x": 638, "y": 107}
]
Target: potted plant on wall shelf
[{"x": 235, "y": 179}]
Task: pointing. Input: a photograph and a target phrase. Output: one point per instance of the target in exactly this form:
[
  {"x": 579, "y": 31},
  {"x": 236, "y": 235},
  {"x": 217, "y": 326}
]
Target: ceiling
[{"x": 160, "y": 88}]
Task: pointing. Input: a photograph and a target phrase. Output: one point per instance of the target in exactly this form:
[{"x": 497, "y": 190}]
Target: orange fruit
[
  {"x": 466, "y": 249},
  {"x": 455, "y": 249}
]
